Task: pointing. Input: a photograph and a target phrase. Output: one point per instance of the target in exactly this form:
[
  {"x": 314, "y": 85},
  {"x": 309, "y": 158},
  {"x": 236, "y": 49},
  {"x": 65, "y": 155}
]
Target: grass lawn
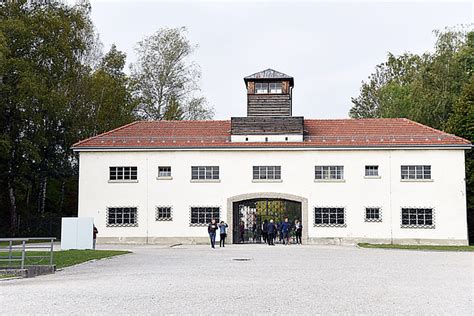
[
  {"x": 63, "y": 258},
  {"x": 6, "y": 276},
  {"x": 418, "y": 247}
]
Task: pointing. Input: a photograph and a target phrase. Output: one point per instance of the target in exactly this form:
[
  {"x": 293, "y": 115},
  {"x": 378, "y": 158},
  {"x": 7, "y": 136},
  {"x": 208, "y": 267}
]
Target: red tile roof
[{"x": 318, "y": 133}]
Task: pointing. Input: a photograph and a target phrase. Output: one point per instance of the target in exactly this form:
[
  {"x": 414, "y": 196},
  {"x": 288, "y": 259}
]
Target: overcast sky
[{"x": 328, "y": 47}]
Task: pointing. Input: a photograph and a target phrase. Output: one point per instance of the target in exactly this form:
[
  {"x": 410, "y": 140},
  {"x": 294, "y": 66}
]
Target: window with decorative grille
[
  {"x": 329, "y": 216},
  {"x": 417, "y": 218},
  {"x": 122, "y": 217},
  {"x": 373, "y": 214},
  {"x": 201, "y": 216},
  {"x": 163, "y": 213}
]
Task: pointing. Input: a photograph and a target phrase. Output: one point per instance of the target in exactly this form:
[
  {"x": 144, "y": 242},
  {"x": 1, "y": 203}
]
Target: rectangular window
[
  {"x": 201, "y": 216},
  {"x": 267, "y": 172},
  {"x": 371, "y": 171},
  {"x": 163, "y": 213},
  {"x": 275, "y": 87},
  {"x": 373, "y": 214},
  {"x": 122, "y": 173},
  {"x": 164, "y": 172},
  {"x": 205, "y": 172},
  {"x": 329, "y": 216},
  {"x": 122, "y": 217},
  {"x": 416, "y": 172},
  {"x": 417, "y": 218},
  {"x": 329, "y": 172},
  {"x": 261, "y": 87}
]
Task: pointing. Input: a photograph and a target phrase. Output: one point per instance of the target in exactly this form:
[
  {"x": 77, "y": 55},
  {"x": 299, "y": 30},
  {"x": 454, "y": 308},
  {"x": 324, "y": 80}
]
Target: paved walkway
[{"x": 292, "y": 279}]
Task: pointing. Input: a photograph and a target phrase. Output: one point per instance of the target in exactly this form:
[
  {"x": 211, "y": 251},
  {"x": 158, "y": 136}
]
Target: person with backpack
[
  {"x": 211, "y": 229},
  {"x": 223, "y": 231}
]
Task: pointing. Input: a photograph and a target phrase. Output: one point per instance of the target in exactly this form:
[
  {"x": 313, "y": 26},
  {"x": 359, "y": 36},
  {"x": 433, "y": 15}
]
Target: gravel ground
[{"x": 292, "y": 279}]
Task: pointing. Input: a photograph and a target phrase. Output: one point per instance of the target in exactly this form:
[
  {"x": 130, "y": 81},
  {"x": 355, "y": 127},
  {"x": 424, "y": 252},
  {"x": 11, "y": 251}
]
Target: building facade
[{"x": 373, "y": 180}]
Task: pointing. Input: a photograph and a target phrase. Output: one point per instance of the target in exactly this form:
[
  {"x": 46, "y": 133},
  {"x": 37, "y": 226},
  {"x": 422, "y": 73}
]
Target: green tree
[
  {"x": 52, "y": 94},
  {"x": 435, "y": 89},
  {"x": 164, "y": 77}
]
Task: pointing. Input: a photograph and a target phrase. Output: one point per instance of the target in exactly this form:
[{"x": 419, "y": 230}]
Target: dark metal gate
[{"x": 249, "y": 215}]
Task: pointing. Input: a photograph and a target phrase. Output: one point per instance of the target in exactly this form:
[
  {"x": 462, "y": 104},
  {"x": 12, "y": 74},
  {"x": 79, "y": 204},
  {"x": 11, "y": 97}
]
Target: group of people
[
  {"x": 269, "y": 231},
  {"x": 212, "y": 229}
]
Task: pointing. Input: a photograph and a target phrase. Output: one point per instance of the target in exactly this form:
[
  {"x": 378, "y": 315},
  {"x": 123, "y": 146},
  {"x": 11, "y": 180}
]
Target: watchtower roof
[{"x": 269, "y": 74}]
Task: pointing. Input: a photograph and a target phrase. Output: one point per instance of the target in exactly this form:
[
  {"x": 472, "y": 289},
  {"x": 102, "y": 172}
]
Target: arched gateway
[{"x": 295, "y": 207}]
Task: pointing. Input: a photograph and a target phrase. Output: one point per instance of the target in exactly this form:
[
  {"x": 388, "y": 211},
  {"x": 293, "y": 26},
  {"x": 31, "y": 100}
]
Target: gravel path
[{"x": 292, "y": 279}]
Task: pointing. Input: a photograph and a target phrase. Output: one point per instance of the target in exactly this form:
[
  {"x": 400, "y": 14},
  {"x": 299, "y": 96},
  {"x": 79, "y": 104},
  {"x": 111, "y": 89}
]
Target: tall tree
[
  {"x": 165, "y": 77},
  {"x": 53, "y": 92},
  {"x": 435, "y": 89}
]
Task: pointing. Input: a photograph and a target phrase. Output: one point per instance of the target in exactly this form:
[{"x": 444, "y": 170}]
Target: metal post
[
  {"x": 51, "y": 253},
  {"x": 10, "y": 253},
  {"x": 23, "y": 254}
]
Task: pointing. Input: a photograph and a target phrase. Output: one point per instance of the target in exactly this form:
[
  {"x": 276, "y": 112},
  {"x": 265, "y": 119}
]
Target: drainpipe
[
  {"x": 390, "y": 193},
  {"x": 147, "y": 198}
]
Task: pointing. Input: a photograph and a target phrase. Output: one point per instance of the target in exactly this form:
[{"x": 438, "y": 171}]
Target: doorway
[{"x": 249, "y": 215}]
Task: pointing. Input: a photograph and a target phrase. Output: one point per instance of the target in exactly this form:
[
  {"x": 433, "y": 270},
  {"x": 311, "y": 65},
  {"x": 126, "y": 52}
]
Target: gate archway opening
[
  {"x": 250, "y": 215},
  {"x": 246, "y": 214}
]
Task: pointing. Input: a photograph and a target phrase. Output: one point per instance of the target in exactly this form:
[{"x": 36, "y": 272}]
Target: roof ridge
[{"x": 105, "y": 133}]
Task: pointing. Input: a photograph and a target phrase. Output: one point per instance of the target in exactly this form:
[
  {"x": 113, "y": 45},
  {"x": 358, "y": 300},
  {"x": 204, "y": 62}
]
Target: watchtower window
[
  {"x": 275, "y": 87},
  {"x": 261, "y": 87}
]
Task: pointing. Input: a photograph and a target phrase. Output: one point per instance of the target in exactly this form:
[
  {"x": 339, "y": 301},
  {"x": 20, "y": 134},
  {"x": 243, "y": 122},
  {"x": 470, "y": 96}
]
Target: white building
[{"x": 374, "y": 180}]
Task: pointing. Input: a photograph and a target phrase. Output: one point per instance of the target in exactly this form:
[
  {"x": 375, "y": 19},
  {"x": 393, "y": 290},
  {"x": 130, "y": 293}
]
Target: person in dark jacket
[
  {"x": 95, "y": 231},
  {"x": 271, "y": 231},
  {"x": 223, "y": 230},
  {"x": 264, "y": 231},
  {"x": 285, "y": 231},
  {"x": 211, "y": 229},
  {"x": 298, "y": 231}
]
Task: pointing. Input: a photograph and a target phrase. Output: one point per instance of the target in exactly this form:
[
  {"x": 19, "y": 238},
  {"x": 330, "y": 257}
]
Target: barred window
[
  {"x": 261, "y": 87},
  {"x": 122, "y": 217},
  {"x": 163, "y": 213},
  {"x": 417, "y": 218},
  {"x": 164, "y": 172},
  {"x": 122, "y": 173},
  {"x": 371, "y": 171},
  {"x": 329, "y": 216},
  {"x": 203, "y": 215},
  {"x": 267, "y": 172},
  {"x": 416, "y": 172},
  {"x": 275, "y": 87},
  {"x": 205, "y": 172},
  {"x": 373, "y": 214},
  {"x": 329, "y": 172}
]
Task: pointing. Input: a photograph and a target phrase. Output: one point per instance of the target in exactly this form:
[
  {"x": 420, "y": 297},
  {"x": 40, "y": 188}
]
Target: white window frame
[
  {"x": 369, "y": 172},
  {"x": 164, "y": 175},
  {"x": 261, "y": 87},
  {"x": 266, "y": 174},
  {"x": 329, "y": 173},
  {"x": 205, "y": 174},
  {"x": 421, "y": 173},
  {"x": 275, "y": 87},
  {"x": 120, "y": 174}
]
